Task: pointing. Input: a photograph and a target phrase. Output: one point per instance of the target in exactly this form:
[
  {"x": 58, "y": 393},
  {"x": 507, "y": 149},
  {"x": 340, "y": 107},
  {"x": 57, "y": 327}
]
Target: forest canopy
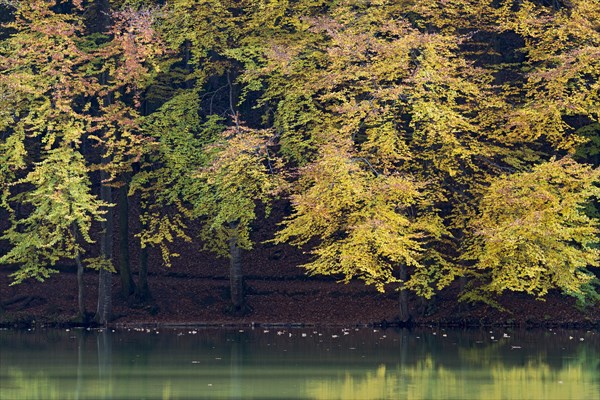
[{"x": 407, "y": 144}]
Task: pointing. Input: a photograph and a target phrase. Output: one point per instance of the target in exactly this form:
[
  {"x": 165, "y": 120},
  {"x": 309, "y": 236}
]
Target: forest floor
[{"x": 195, "y": 291}]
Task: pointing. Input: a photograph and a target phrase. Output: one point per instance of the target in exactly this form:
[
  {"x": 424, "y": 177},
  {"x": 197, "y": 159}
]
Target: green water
[{"x": 299, "y": 364}]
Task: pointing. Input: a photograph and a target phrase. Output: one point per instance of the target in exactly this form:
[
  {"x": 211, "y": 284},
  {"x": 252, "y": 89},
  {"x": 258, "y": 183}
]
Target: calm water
[{"x": 299, "y": 364}]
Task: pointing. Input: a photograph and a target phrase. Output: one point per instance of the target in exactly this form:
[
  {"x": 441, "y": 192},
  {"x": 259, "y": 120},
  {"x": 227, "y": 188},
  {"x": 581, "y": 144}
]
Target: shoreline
[
  {"x": 31, "y": 323},
  {"x": 291, "y": 301}
]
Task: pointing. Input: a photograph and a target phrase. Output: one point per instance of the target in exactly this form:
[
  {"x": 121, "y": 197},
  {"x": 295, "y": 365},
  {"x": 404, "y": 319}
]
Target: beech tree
[
  {"x": 416, "y": 143},
  {"x": 533, "y": 233},
  {"x": 61, "y": 100},
  {"x": 238, "y": 177},
  {"x": 45, "y": 118},
  {"x": 554, "y": 112},
  {"x": 561, "y": 92},
  {"x": 399, "y": 102},
  {"x": 127, "y": 63},
  {"x": 177, "y": 134},
  {"x": 63, "y": 211},
  {"x": 207, "y": 165},
  {"x": 368, "y": 224}
]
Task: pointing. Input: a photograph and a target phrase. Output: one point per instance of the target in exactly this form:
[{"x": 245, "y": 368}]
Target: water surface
[{"x": 299, "y": 364}]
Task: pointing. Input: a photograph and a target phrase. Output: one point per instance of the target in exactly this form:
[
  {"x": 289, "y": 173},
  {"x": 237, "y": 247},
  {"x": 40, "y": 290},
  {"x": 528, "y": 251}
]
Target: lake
[{"x": 303, "y": 363}]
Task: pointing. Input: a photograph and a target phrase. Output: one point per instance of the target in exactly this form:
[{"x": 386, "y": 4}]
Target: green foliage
[
  {"x": 63, "y": 209},
  {"x": 589, "y": 150},
  {"x": 588, "y": 295},
  {"x": 98, "y": 263},
  {"x": 58, "y": 98},
  {"x": 12, "y": 159},
  {"x": 563, "y": 48},
  {"x": 401, "y": 103},
  {"x": 206, "y": 29},
  {"x": 177, "y": 135},
  {"x": 238, "y": 177},
  {"x": 401, "y": 133}
]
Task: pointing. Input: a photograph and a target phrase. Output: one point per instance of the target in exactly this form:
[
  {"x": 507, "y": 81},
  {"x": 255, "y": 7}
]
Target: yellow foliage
[
  {"x": 532, "y": 233},
  {"x": 365, "y": 221}
]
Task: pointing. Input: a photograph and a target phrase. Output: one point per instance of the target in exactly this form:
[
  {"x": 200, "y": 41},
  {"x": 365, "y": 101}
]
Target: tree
[
  {"x": 45, "y": 120},
  {"x": 206, "y": 165},
  {"x": 561, "y": 92},
  {"x": 400, "y": 103},
  {"x": 366, "y": 224},
  {"x": 176, "y": 135},
  {"x": 126, "y": 53},
  {"x": 59, "y": 99},
  {"x": 238, "y": 177},
  {"x": 533, "y": 234},
  {"x": 63, "y": 211}
]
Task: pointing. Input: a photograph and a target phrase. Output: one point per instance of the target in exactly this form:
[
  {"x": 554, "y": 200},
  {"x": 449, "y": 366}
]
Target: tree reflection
[
  {"x": 480, "y": 370},
  {"x": 364, "y": 364},
  {"x": 104, "y": 343}
]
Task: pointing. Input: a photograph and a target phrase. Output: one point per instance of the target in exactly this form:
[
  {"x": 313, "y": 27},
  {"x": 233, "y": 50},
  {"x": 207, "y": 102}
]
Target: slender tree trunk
[
  {"x": 80, "y": 289},
  {"x": 80, "y": 285},
  {"x": 236, "y": 277},
  {"x": 97, "y": 17},
  {"x": 104, "y": 310},
  {"x": 404, "y": 314},
  {"x": 127, "y": 283},
  {"x": 142, "y": 292}
]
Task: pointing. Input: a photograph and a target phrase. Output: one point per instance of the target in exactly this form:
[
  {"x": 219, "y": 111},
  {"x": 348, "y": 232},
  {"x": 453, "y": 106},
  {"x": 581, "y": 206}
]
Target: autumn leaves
[{"x": 403, "y": 136}]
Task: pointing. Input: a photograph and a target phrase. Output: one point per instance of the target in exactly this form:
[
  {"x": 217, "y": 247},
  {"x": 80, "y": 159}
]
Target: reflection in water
[
  {"x": 303, "y": 363},
  {"x": 104, "y": 343},
  {"x": 78, "y": 387}
]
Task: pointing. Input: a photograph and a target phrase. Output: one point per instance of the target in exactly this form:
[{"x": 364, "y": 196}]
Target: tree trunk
[
  {"x": 80, "y": 289},
  {"x": 127, "y": 284},
  {"x": 404, "y": 314},
  {"x": 142, "y": 292},
  {"x": 104, "y": 310},
  {"x": 80, "y": 285},
  {"x": 97, "y": 18},
  {"x": 236, "y": 277}
]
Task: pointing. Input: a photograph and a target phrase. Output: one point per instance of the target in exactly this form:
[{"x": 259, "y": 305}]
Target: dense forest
[{"x": 410, "y": 145}]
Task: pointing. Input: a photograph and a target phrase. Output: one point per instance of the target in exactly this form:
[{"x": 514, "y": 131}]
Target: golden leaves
[
  {"x": 363, "y": 220},
  {"x": 533, "y": 234},
  {"x": 239, "y": 175}
]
